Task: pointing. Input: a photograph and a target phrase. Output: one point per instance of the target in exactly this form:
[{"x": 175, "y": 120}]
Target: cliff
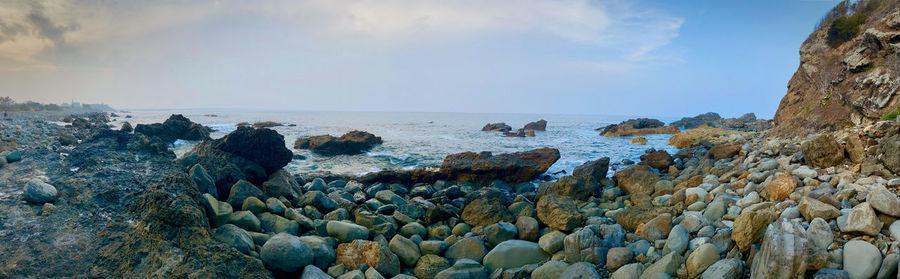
[{"x": 849, "y": 71}]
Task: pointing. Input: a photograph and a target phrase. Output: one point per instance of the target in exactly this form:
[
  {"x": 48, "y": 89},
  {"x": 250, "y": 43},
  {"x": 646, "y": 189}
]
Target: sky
[{"x": 652, "y": 58}]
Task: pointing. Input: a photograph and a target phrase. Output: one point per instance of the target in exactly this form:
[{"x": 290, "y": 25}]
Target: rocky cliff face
[{"x": 849, "y": 73}]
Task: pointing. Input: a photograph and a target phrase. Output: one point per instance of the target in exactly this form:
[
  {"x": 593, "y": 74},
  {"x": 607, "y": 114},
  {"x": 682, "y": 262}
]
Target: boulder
[
  {"x": 218, "y": 212},
  {"x": 749, "y": 227},
  {"x": 485, "y": 167},
  {"x": 514, "y": 253},
  {"x": 205, "y": 183},
  {"x": 467, "y": 248},
  {"x": 464, "y": 269},
  {"x": 781, "y": 186},
  {"x": 540, "y": 125},
  {"x": 711, "y": 119},
  {"x": 322, "y": 250},
  {"x": 585, "y": 245},
  {"x": 38, "y": 192},
  {"x": 637, "y": 127},
  {"x": 282, "y": 184},
  {"x": 358, "y": 253},
  {"x": 499, "y": 232},
  {"x": 174, "y": 128},
  {"x": 429, "y": 265},
  {"x": 486, "y": 207},
  {"x": 660, "y": 160},
  {"x": 570, "y": 186},
  {"x": 862, "y": 219},
  {"x": 784, "y": 252},
  {"x": 405, "y": 249},
  {"x": 724, "y": 269},
  {"x": 559, "y": 213},
  {"x": 346, "y": 232},
  {"x": 549, "y": 270},
  {"x": 241, "y": 191},
  {"x": 636, "y": 179},
  {"x": 725, "y": 150},
  {"x": 580, "y": 270},
  {"x": 822, "y": 152},
  {"x": 593, "y": 170},
  {"x": 861, "y": 259},
  {"x": 668, "y": 265},
  {"x": 286, "y": 253},
  {"x": 701, "y": 258},
  {"x": 812, "y": 208},
  {"x": 883, "y": 200},
  {"x": 235, "y": 238},
  {"x": 353, "y": 142},
  {"x": 496, "y": 127},
  {"x": 890, "y": 153},
  {"x": 262, "y": 146},
  {"x": 555, "y": 241}
]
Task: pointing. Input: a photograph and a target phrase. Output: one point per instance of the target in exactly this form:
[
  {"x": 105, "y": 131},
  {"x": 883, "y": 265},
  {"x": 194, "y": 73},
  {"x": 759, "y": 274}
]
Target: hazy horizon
[{"x": 628, "y": 58}]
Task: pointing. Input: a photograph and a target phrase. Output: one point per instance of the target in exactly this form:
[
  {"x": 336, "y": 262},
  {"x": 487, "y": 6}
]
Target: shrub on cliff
[{"x": 843, "y": 29}]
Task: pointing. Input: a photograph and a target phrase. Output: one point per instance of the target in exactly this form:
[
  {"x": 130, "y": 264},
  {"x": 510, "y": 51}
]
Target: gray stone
[
  {"x": 285, "y": 252},
  {"x": 553, "y": 241},
  {"x": 242, "y": 190},
  {"x": 253, "y": 204},
  {"x": 499, "y": 232},
  {"x": 895, "y": 230},
  {"x": 829, "y": 273},
  {"x": 701, "y": 258},
  {"x": 819, "y": 233},
  {"x": 275, "y": 206},
  {"x": 323, "y": 252},
  {"x": 724, "y": 269},
  {"x": 410, "y": 229},
  {"x": 436, "y": 247},
  {"x": 467, "y": 248},
  {"x": 346, "y": 232},
  {"x": 668, "y": 265},
  {"x": 678, "y": 240},
  {"x": 373, "y": 274},
  {"x": 514, "y": 253},
  {"x": 245, "y": 220},
  {"x": 389, "y": 197},
  {"x": 861, "y": 259},
  {"x": 464, "y": 269},
  {"x": 405, "y": 249},
  {"x": 784, "y": 252},
  {"x": 629, "y": 271},
  {"x": 234, "y": 237},
  {"x": 811, "y": 208},
  {"x": 584, "y": 245},
  {"x": 355, "y": 274},
  {"x": 617, "y": 257},
  {"x": 219, "y": 213},
  {"x": 862, "y": 219},
  {"x": 549, "y": 270},
  {"x": 37, "y": 191},
  {"x": 204, "y": 182},
  {"x": 888, "y": 267},
  {"x": 580, "y": 270},
  {"x": 883, "y": 200},
  {"x": 313, "y": 272}
]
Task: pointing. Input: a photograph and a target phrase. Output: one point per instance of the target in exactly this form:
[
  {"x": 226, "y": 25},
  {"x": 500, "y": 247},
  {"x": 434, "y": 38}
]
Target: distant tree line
[{"x": 8, "y": 104}]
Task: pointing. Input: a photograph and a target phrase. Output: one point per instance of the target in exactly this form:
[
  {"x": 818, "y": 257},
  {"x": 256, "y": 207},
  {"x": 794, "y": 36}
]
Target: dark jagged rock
[
  {"x": 746, "y": 122},
  {"x": 174, "y": 128},
  {"x": 353, "y": 142},
  {"x": 635, "y": 127},
  {"x": 659, "y": 160},
  {"x": 540, "y": 125},
  {"x": 485, "y": 167},
  {"x": 496, "y": 127},
  {"x": 245, "y": 154},
  {"x": 711, "y": 119},
  {"x": 593, "y": 170}
]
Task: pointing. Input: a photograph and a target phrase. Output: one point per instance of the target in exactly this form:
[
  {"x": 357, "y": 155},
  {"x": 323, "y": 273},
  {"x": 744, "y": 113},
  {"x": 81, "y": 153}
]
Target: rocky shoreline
[{"x": 735, "y": 206}]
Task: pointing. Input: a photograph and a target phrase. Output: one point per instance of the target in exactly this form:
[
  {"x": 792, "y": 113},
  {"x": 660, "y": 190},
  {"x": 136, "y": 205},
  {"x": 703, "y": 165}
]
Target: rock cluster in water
[
  {"x": 526, "y": 131},
  {"x": 637, "y": 127},
  {"x": 746, "y": 122},
  {"x": 353, "y": 142}
]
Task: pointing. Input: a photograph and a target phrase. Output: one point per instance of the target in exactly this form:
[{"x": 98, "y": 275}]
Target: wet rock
[
  {"x": 286, "y": 253},
  {"x": 861, "y": 259},
  {"x": 540, "y": 125},
  {"x": 496, "y": 127},
  {"x": 245, "y": 220},
  {"x": 464, "y": 269},
  {"x": 38, "y": 192},
  {"x": 234, "y": 237},
  {"x": 559, "y": 213},
  {"x": 253, "y": 204},
  {"x": 485, "y": 167},
  {"x": 822, "y": 152},
  {"x": 363, "y": 252},
  {"x": 862, "y": 219},
  {"x": 784, "y": 252},
  {"x": 485, "y": 208},
  {"x": 346, "y": 232},
  {"x": 593, "y": 170},
  {"x": 514, "y": 253},
  {"x": 467, "y": 248},
  {"x": 353, "y": 142},
  {"x": 636, "y": 179},
  {"x": 219, "y": 213}
]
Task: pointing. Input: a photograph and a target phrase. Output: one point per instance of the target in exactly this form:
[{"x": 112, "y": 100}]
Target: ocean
[{"x": 420, "y": 139}]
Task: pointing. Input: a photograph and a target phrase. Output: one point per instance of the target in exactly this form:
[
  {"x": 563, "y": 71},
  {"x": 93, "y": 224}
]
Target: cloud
[{"x": 31, "y": 31}]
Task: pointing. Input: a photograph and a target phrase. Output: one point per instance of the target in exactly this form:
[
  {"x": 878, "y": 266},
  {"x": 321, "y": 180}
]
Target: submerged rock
[{"x": 353, "y": 142}]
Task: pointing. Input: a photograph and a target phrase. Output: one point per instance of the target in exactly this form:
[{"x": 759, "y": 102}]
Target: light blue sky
[{"x": 654, "y": 58}]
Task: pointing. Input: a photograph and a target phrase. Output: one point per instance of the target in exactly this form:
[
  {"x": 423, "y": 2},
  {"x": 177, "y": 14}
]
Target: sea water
[{"x": 420, "y": 139}]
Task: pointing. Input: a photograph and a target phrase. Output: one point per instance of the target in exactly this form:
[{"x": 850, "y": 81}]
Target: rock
[
  {"x": 783, "y": 253},
  {"x": 429, "y": 265},
  {"x": 38, "y": 192},
  {"x": 205, "y": 183},
  {"x": 584, "y": 245},
  {"x": 861, "y": 259},
  {"x": 617, "y": 257},
  {"x": 405, "y": 249},
  {"x": 353, "y": 142},
  {"x": 322, "y": 249},
  {"x": 464, "y": 269},
  {"x": 485, "y": 167},
  {"x": 487, "y": 207},
  {"x": 749, "y": 227},
  {"x": 219, "y": 213},
  {"x": 549, "y": 270},
  {"x": 629, "y": 271},
  {"x": 282, "y": 184},
  {"x": 822, "y": 152},
  {"x": 275, "y": 223},
  {"x": 724, "y": 269},
  {"x": 253, "y": 204},
  {"x": 725, "y": 150},
  {"x": 711, "y": 119},
  {"x": 890, "y": 153},
  {"x": 657, "y": 228},
  {"x": 895, "y": 230},
  {"x": 286, "y": 253},
  {"x": 554, "y": 241},
  {"x": 637, "y": 127},
  {"x": 829, "y": 273},
  {"x": 346, "y": 232},
  {"x": 889, "y": 267},
  {"x": 812, "y": 208},
  {"x": 176, "y": 127},
  {"x": 313, "y": 272},
  {"x": 659, "y": 159},
  {"x": 263, "y": 147},
  {"x": 636, "y": 179},
  {"x": 496, "y": 127},
  {"x": 354, "y": 274},
  {"x": 820, "y": 234},
  {"x": 804, "y": 172},
  {"x": 668, "y": 264},
  {"x": 499, "y": 232},
  {"x": 467, "y": 248},
  {"x": 701, "y": 258},
  {"x": 639, "y": 140},
  {"x": 241, "y": 191},
  {"x": 580, "y": 270},
  {"x": 389, "y": 197},
  {"x": 558, "y": 212},
  {"x": 363, "y": 252},
  {"x": 570, "y": 186},
  {"x": 593, "y": 170},
  {"x": 883, "y": 200},
  {"x": 527, "y": 228},
  {"x": 234, "y": 237},
  {"x": 540, "y": 125},
  {"x": 514, "y": 253},
  {"x": 862, "y": 219},
  {"x": 781, "y": 186},
  {"x": 275, "y": 206},
  {"x": 678, "y": 240},
  {"x": 245, "y": 220},
  {"x": 14, "y": 156}
]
